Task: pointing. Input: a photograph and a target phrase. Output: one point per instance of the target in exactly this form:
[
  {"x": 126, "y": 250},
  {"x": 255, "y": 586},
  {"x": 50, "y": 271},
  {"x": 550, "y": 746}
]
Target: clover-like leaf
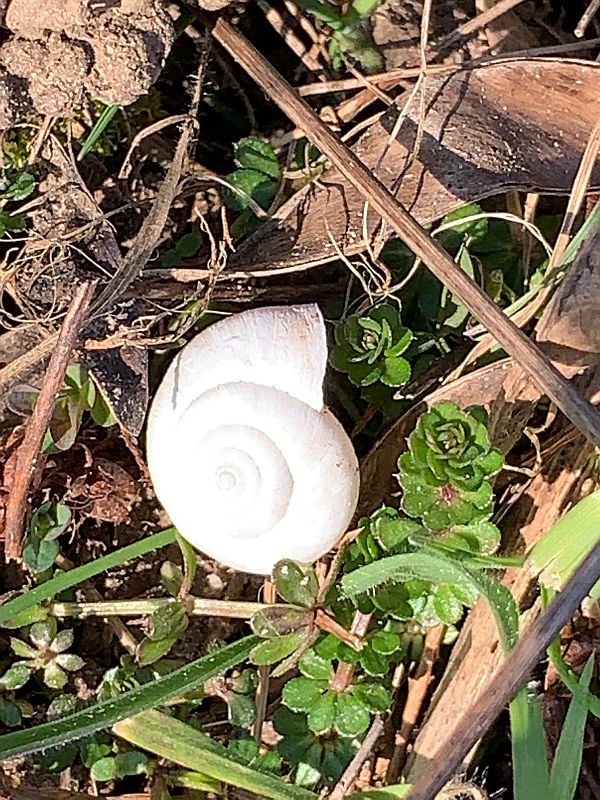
[
  {"x": 300, "y": 694},
  {"x": 322, "y": 713},
  {"x": 352, "y": 717},
  {"x": 314, "y": 666},
  {"x": 296, "y": 583},
  {"x": 373, "y": 696}
]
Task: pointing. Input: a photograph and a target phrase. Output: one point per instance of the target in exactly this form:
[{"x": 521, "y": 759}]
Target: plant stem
[
  {"x": 198, "y": 607},
  {"x": 345, "y": 671}
]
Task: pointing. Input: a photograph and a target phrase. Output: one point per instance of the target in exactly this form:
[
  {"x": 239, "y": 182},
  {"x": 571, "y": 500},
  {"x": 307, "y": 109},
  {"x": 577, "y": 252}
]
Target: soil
[{"x": 61, "y": 53}]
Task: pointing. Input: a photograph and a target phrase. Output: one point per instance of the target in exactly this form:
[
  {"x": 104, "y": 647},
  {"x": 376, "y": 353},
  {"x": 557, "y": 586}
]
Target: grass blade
[
  {"x": 528, "y": 741},
  {"x": 170, "y": 738},
  {"x": 101, "y": 124},
  {"x": 107, "y": 713},
  {"x": 74, "y": 576},
  {"x": 567, "y": 759}
]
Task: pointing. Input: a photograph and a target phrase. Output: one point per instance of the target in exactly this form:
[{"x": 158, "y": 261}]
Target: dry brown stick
[
  {"x": 418, "y": 686},
  {"x": 512, "y": 339},
  {"x": 508, "y": 680},
  {"x": 344, "y": 784},
  {"x": 577, "y": 196},
  {"x": 390, "y": 78},
  {"x": 587, "y": 18},
  {"x": 29, "y": 449},
  {"x": 480, "y": 21}
]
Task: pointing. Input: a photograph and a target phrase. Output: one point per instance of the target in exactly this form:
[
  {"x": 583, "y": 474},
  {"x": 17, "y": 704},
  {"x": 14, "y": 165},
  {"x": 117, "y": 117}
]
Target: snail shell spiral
[{"x": 246, "y": 460}]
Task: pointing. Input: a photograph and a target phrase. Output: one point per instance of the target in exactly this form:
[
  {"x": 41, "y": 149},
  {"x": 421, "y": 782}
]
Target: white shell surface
[{"x": 244, "y": 458}]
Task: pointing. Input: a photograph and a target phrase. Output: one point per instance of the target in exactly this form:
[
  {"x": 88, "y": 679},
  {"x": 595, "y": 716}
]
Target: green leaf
[
  {"x": 557, "y": 554},
  {"x": 171, "y": 577},
  {"x": 105, "y": 769},
  {"x": 20, "y": 188},
  {"x": 167, "y": 621},
  {"x": 242, "y": 710},
  {"x": 22, "y": 649},
  {"x": 63, "y": 640},
  {"x": 102, "y": 715},
  {"x": 169, "y": 738},
  {"x": 273, "y": 650},
  {"x": 40, "y": 554},
  {"x": 322, "y": 713},
  {"x": 10, "y": 713},
  {"x": 352, "y": 718},
  {"x": 530, "y": 764},
  {"x": 99, "y": 127},
  {"x": 447, "y": 605},
  {"x": 101, "y": 413},
  {"x": 314, "y": 666},
  {"x": 15, "y": 676},
  {"x": 425, "y": 566},
  {"x": 256, "y": 154},
  {"x": 373, "y": 696},
  {"x": 190, "y": 561},
  {"x": 131, "y": 763},
  {"x": 69, "y": 661},
  {"x": 374, "y": 663},
  {"x": 300, "y": 694},
  {"x": 54, "y": 677},
  {"x": 296, "y": 583},
  {"x": 385, "y": 642},
  {"x": 252, "y": 183},
  {"x": 396, "y": 371},
  {"x": 72, "y": 577},
  {"x": 149, "y": 651},
  {"x": 567, "y": 758}
]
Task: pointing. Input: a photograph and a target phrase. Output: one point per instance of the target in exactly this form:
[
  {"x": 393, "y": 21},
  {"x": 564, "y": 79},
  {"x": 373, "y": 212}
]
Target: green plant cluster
[
  {"x": 349, "y": 34},
  {"x": 411, "y": 605},
  {"x": 347, "y": 711},
  {"x": 14, "y": 187},
  {"x": 77, "y": 397},
  {"x": 369, "y": 347},
  {"x": 445, "y": 474},
  {"x": 46, "y": 652},
  {"x": 257, "y": 175}
]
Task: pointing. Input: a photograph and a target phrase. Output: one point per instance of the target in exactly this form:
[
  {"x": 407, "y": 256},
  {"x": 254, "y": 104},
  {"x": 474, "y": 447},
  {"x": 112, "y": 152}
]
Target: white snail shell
[{"x": 246, "y": 460}]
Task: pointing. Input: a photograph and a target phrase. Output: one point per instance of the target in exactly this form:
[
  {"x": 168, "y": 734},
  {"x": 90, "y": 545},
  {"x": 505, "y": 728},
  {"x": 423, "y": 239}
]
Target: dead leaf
[{"x": 515, "y": 124}]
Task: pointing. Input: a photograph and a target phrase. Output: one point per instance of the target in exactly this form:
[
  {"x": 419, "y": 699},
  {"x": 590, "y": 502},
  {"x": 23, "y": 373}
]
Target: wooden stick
[
  {"x": 343, "y": 786},
  {"x": 29, "y": 449},
  {"x": 512, "y": 339}
]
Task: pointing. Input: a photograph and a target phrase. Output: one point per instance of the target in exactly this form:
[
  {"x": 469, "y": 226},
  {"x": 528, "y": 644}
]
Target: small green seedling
[
  {"x": 369, "y": 347},
  {"x": 47, "y": 653},
  {"x": 77, "y": 397},
  {"x": 349, "y": 34}
]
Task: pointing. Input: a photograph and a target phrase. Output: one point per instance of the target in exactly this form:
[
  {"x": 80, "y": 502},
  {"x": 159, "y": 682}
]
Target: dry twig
[
  {"x": 29, "y": 449},
  {"x": 351, "y": 772}
]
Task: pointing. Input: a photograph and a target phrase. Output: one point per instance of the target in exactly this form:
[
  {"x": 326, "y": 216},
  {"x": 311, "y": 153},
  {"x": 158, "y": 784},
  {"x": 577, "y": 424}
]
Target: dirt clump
[{"x": 62, "y": 53}]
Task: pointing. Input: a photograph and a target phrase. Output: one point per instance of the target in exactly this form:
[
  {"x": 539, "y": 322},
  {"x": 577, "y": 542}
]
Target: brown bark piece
[{"x": 515, "y": 124}]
